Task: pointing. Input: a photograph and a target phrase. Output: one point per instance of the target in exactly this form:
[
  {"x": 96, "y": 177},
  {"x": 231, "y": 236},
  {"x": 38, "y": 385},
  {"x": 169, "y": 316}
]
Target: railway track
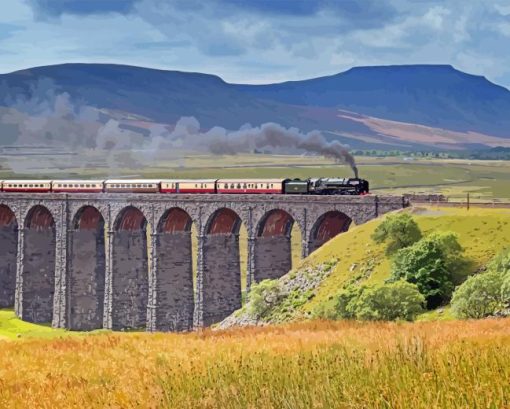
[{"x": 487, "y": 205}]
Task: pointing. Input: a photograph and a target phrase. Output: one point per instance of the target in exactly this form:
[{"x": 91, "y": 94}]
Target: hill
[
  {"x": 433, "y": 95},
  {"x": 385, "y": 107},
  {"x": 353, "y": 257}
]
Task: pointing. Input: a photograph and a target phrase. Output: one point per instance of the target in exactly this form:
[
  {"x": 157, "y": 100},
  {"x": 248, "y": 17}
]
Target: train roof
[
  {"x": 78, "y": 181},
  {"x": 126, "y": 181},
  {"x": 250, "y": 180},
  {"x": 188, "y": 180},
  {"x": 19, "y": 181}
]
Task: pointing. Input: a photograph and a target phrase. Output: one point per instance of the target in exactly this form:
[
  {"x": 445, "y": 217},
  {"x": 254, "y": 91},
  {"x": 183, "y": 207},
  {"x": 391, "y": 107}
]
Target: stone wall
[
  {"x": 60, "y": 270},
  {"x": 221, "y": 281},
  {"x": 8, "y": 250},
  {"x": 273, "y": 257},
  {"x": 174, "y": 282},
  {"x": 38, "y": 275},
  {"x": 129, "y": 280},
  {"x": 86, "y": 280}
]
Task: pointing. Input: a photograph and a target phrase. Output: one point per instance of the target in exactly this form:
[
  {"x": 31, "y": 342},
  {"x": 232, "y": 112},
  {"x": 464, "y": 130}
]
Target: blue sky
[{"x": 259, "y": 41}]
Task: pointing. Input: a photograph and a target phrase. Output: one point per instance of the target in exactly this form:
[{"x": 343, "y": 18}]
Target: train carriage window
[
  {"x": 244, "y": 185},
  {"x": 239, "y": 186},
  {"x": 226, "y": 186}
]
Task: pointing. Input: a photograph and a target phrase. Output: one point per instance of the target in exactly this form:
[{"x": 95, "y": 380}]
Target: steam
[
  {"x": 43, "y": 116},
  {"x": 220, "y": 141},
  {"x": 273, "y": 135}
]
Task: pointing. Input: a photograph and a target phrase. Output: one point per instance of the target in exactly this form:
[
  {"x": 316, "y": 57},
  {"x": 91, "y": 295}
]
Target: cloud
[
  {"x": 55, "y": 8},
  {"x": 259, "y": 41}
]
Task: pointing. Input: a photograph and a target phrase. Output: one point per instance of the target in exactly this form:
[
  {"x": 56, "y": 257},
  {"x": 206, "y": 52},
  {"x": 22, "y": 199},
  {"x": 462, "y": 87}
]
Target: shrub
[
  {"x": 399, "y": 229},
  {"x": 479, "y": 296},
  {"x": 344, "y": 305},
  {"x": 429, "y": 263},
  {"x": 388, "y": 302},
  {"x": 501, "y": 262},
  {"x": 505, "y": 291},
  {"x": 263, "y": 297}
]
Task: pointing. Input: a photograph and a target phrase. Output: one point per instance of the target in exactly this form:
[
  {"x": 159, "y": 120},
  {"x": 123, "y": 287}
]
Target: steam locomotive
[{"x": 311, "y": 186}]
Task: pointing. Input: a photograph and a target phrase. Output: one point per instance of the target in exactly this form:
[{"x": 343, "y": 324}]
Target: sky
[{"x": 258, "y": 41}]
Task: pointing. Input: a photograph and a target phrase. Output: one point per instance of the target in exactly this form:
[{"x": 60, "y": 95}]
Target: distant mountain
[
  {"x": 434, "y": 95},
  {"x": 404, "y": 107}
]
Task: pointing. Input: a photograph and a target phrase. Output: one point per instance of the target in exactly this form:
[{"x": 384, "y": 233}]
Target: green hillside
[{"x": 354, "y": 257}]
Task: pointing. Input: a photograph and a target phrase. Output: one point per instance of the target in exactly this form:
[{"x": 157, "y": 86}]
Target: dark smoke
[{"x": 272, "y": 135}]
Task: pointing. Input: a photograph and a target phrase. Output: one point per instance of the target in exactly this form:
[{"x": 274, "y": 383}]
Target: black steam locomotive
[{"x": 326, "y": 186}]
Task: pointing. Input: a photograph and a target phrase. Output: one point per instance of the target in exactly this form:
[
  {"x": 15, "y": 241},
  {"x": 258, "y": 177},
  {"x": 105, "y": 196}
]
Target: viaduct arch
[
  {"x": 220, "y": 278},
  {"x": 326, "y": 227},
  {"x": 107, "y": 260},
  {"x": 38, "y": 272},
  {"x": 86, "y": 276},
  {"x": 272, "y": 248},
  {"x": 130, "y": 276},
  {"x": 8, "y": 250},
  {"x": 174, "y": 272}
]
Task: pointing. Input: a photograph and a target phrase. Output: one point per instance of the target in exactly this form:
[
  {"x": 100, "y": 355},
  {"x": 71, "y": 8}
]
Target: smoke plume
[
  {"x": 272, "y": 135},
  {"x": 44, "y": 116}
]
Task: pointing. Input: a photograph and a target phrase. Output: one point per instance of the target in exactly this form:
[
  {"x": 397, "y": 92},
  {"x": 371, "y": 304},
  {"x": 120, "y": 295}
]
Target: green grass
[
  {"x": 482, "y": 233},
  {"x": 12, "y": 327}
]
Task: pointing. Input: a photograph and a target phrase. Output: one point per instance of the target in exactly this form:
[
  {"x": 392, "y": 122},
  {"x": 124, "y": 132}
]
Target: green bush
[
  {"x": 400, "y": 230},
  {"x": 501, "y": 262},
  {"x": 479, "y": 296},
  {"x": 505, "y": 291},
  {"x": 263, "y": 297},
  {"x": 429, "y": 264},
  {"x": 385, "y": 302},
  {"x": 345, "y": 301}
]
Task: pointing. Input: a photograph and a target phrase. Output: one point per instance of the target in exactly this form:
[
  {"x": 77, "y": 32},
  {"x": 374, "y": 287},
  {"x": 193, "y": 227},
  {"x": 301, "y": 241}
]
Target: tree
[
  {"x": 383, "y": 302},
  {"x": 429, "y": 264},
  {"x": 479, "y": 296},
  {"x": 399, "y": 229}
]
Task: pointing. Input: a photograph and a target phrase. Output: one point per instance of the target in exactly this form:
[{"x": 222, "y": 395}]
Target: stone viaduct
[{"x": 118, "y": 261}]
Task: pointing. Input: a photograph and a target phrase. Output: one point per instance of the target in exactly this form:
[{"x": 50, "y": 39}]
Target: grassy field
[
  {"x": 482, "y": 179},
  {"x": 307, "y": 365}
]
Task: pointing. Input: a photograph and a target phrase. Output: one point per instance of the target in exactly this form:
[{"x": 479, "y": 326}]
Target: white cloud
[{"x": 241, "y": 45}]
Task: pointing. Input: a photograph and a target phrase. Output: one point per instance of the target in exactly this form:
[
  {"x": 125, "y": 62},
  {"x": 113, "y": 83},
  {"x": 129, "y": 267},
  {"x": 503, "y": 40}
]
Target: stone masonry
[{"x": 118, "y": 261}]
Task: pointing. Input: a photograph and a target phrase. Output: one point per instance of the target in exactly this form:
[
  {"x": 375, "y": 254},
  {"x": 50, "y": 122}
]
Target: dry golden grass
[{"x": 307, "y": 365}]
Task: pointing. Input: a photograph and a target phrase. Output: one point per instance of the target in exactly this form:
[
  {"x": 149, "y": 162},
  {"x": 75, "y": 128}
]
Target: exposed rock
[{"x": 295, "y": 288}]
